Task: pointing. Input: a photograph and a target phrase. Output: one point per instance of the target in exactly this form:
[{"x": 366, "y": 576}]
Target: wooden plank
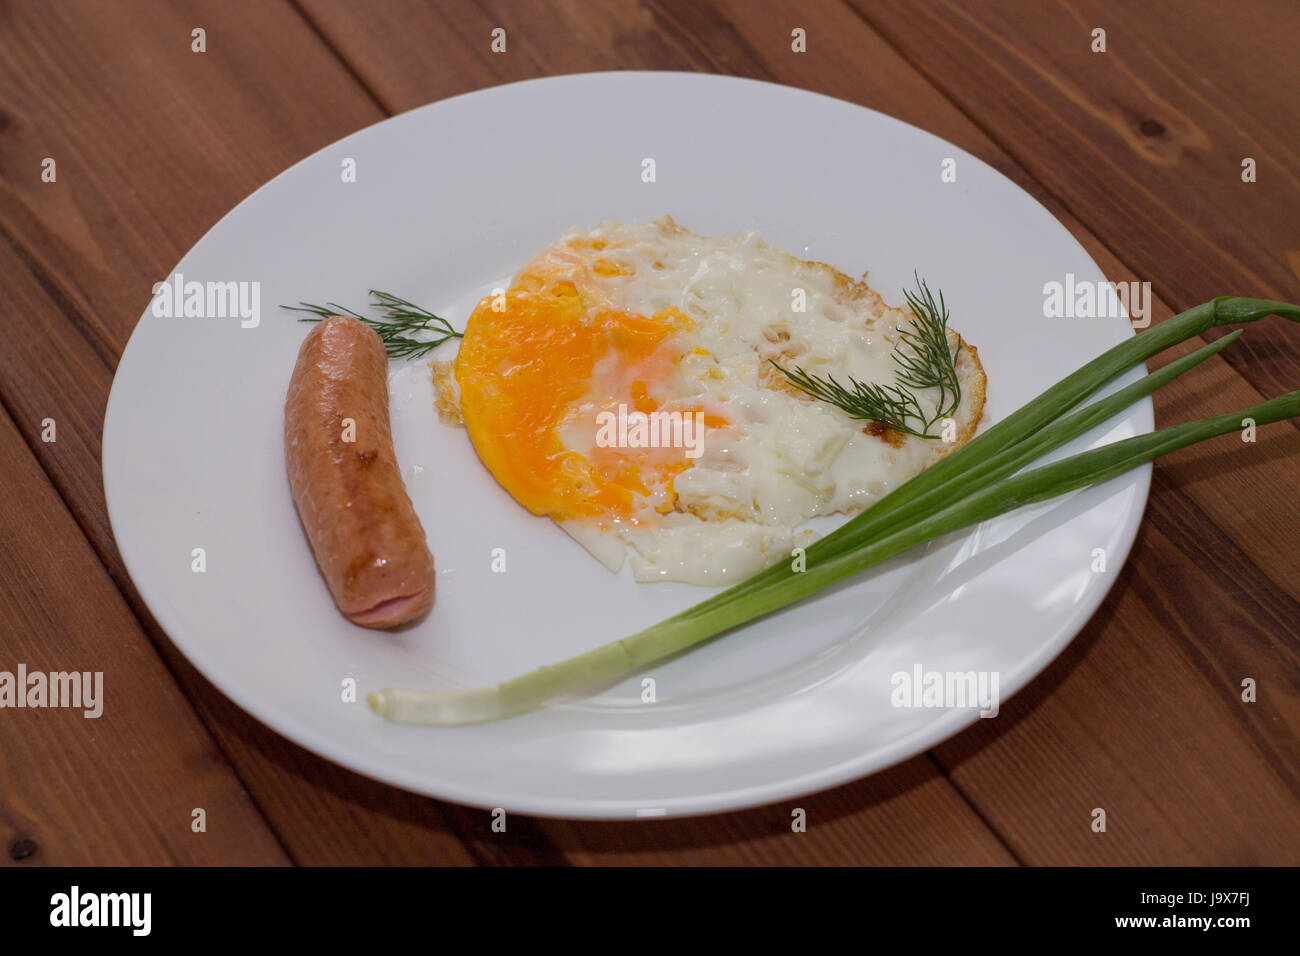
[
  {"x": 908, "y": 815},
  {"x": 719, "y": 39},
  {"x": 1144, "y": 142},
  {"x": 146, "y": 163},
  {"x": 149, "y": 160},
  {"x": 1152, "y": 685},
  {"x": 392, "y": 53},
  {"x": 1142, "y": 717},
  {"x": 1246, "y": 490},
  {"x": 122, "y": 787}
]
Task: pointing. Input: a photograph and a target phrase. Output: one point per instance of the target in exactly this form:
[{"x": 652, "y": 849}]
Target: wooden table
[{"x": 1138, "y": 150}]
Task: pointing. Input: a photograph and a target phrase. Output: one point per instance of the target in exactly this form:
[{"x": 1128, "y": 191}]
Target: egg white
[{"x": 783, "y": 458}]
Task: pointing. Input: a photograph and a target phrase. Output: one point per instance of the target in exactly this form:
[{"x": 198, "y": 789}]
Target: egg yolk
[{"x": 536, "y": 369}]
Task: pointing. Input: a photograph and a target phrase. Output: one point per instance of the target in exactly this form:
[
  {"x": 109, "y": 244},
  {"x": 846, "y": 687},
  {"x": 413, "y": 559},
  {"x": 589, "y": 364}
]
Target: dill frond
[
  {"x": 924, "y": 359},
  {"x": 403, "y": 326}
]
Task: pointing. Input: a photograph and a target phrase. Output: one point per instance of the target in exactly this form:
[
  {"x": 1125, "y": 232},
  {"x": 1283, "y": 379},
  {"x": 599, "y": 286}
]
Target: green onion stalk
[{"x": 976, "y": 482}]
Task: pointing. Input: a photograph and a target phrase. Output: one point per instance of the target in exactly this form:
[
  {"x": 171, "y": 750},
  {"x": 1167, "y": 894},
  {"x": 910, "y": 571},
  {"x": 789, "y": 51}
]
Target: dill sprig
[
  {"x": 402, "y": 321},
  {"x": 924, "y": 359}
]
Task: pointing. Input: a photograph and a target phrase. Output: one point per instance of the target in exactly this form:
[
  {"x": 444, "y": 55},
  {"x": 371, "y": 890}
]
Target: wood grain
[
  {"x": 138, "y": 183},
  {"x": 1144, "y": 142},
  {"x": 908, "y": 815},
  {"x": 1141, "y": 715},
  {"x": 120, "y": 788}
]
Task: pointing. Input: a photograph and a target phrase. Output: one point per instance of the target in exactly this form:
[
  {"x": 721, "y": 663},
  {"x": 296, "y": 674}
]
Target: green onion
[
  {"x": 1027, "y": 421},
  {"x": 882, "y": 516},
  {"x": 964, "y": 488}
]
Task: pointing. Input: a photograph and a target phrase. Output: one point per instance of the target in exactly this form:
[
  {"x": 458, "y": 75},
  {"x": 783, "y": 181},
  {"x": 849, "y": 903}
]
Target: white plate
[{"x": 449, "y": 201}]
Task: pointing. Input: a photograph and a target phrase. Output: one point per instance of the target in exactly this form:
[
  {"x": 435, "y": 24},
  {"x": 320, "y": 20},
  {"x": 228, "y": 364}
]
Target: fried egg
[{"x": 623, "y": 386}]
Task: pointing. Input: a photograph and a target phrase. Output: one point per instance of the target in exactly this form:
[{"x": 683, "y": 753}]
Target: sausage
[{"x": 363, "y": 529}]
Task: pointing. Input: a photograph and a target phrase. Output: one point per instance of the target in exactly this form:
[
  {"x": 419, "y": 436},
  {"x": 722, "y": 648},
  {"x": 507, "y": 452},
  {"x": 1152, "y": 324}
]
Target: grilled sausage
[{"x": 363, "y": 529}]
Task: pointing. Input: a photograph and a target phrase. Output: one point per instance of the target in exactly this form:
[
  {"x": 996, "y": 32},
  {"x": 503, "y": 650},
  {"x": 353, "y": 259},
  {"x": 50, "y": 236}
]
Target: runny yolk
[{"x": 535, "y": 375}]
